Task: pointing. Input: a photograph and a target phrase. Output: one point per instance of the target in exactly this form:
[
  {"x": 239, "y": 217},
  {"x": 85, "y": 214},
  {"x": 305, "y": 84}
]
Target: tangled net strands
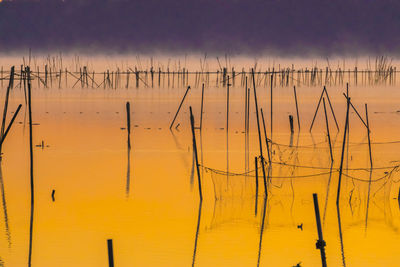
[{"x": 224, "y": 184}]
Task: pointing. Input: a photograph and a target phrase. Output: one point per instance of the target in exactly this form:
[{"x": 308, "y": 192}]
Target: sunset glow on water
[{"x": 146, "y": 198}]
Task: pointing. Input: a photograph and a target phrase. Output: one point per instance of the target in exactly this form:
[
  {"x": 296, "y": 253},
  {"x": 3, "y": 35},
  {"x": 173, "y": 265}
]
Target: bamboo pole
[
  {"x": 369, "y": 139},
  {"x": 195, "y": 153},
  {"x": 327, "y": 130},
  {"x": 343, "y": 149},
  {"x": 297, "y": 107},
  {"x": 179, "y": 108},
  {"x": 32, "y": 191},
  {"x": 320, "y": 242},
  {"x": 259, "y": 135}
]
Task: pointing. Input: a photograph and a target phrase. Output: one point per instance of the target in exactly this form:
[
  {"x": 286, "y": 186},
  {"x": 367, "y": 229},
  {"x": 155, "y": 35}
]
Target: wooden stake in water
[
  {"x": 272, "y": 112},
  {"x": 358, "y": 114},
  {"x": 245, "y": 107},
  {"x": 297, "y": 107},
  {"x": 227, "y": 105},
  {"x": 201, "y": 108},
  {"x": 291, "y": 123},
  {"x": 195, "y": 153},
  {"x": 256, "y": 172},
  {"x": 9, "y": 126},
  {"x": 369, "y": 139},
  {"x": 179, "y": 108},
  {"x": 266, "y": 138},
  {"x": 3, "y": 123},
  {"x": 31, "y": 171},
  {"x": 110, "y": 252},
  {"x": 128, "y": 123},
  {"x": 327, "y": 130},
  {"x": 330, "y": 105},
  {"x": 320, "y": 242},
  {"x": 259, "y": 135},
  {"x": 343, "y": 149}
]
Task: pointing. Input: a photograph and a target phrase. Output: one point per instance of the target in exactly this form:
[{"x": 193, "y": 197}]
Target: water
[{"x": 149, "y": 203}]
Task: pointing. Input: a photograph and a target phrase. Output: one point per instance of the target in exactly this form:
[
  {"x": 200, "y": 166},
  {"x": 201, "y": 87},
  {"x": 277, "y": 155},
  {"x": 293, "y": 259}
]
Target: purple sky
[{"x": 285, "y": 27}]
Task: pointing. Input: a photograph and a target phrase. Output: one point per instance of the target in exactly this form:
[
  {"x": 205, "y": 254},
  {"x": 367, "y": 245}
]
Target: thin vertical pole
[
  {"x": 327, "y": 129},
  {"x": 31, "y": 171},
  {"x": 297, "y": 107},
  {"x": 110, "y": 253},
  {"x": 201, "y": 108},
  {"x": 179, "y": 108},
  {"x": 320, "y": 242},
  {"x": 259, "y": 134},
  {"x": 256, "y": 172},
  {"x": 248, "y": 110},
  {"x": 272, "y": 76},
  {"x": 195, "y": 152},
  {"x": 245, "y": 107},
  {"x": 343, "y": 149},
  {"x": 128, "y": 122},
  {"x": 266, "y": 138},
  {"x": 331, "y": 107},
  {"x": 227, "y": 105},
  {"x": 316, "y": 110},
  {"x": 369, "y": 139}
]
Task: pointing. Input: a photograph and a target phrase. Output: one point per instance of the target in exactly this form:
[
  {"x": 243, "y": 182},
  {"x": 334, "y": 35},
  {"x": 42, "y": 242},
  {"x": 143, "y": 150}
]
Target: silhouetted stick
[
  {"x": 31, "y": 172},
  {"x": 341, "y": 235},
  {"x": 3, "y": 123},
  {"x": 327, "y": 130},
  {"x": 259, "y": 134},
  {"x": 297, "y": 107},
  {"x": 291, "y": 123},
  {"x": 248, "y": 109},
  {"x": 110, "y": 253},
  {"x": 197, "y": 233},
  {"x": 245, "y": 106},
  {"x": 368, "y": 131},
  {"x": 327, "y": 193},
  {"x": 272, "y": 78},
  {"x": 320, "y": 242},
  {"x": 227, "y": 105},
  {"x": 343, "y": 149},
  {"x": 201, "y": 108},
  {"x": 195, "y": 152},
  {"x": 128, "y": 122},
  {"x": 331, "y": 107},
  {"x": 179, "y": 108},
  {"x": 316, "y": 110},
  {"x": 4, "y": 205},
  {"x": 368, "y": 199},
  {"x": 9, "y": 126},
  {"x": 256, "y": 171},
  {"x": 398, "y": 198},
  {"x": 262, "y": 228},
  {"x": 358, "y": 114},
  {"x": 266, "y": 138}
]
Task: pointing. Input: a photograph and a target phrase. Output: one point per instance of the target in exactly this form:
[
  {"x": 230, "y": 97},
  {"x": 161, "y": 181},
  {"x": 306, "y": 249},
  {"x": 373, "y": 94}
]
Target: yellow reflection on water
[{"x": 154, "y": 216}]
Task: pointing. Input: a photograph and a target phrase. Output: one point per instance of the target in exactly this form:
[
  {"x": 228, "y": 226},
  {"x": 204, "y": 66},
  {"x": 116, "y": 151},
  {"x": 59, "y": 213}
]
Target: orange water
[{"x": 153, "y": 221}]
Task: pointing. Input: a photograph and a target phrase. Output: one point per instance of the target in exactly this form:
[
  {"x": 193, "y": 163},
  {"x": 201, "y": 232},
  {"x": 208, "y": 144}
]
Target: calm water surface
[{"x": 147, "y": 199}]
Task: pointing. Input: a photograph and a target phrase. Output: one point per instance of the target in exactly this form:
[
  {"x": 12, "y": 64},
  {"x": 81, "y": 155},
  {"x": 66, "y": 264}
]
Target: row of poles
[
  {"x": 26, "y": 81},
  {"x": 268, "y": 141},
  {"x": 135, "y": 78}
]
